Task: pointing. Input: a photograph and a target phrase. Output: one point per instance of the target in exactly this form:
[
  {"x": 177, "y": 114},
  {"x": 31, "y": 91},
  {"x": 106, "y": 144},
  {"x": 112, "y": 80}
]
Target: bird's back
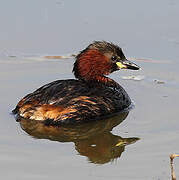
[{"x": 72, "y": 101}]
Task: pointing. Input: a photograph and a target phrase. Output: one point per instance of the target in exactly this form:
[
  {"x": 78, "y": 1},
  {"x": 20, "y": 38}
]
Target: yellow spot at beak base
[
  {"x": 121, "y": 66},
  {"x": 120, "y": 143}
]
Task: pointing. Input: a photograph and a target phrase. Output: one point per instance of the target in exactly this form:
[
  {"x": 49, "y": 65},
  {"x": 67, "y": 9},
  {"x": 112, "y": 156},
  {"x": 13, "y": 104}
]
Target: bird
[{"x": 91, "y": 96}]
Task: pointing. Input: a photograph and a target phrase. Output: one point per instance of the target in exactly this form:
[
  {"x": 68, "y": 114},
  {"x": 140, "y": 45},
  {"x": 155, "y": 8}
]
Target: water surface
[{"x": 144, "y": 29}]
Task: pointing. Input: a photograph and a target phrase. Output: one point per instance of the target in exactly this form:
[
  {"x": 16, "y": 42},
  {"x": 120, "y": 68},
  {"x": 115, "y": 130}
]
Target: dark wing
[{"x": 71, "y": 101}]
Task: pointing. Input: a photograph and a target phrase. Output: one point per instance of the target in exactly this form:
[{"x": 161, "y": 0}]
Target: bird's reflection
[{"x": 93, "y": 139}]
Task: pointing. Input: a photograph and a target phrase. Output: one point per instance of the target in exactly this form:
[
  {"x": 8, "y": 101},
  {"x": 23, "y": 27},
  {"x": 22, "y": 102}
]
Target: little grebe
[{"x": 93, "y": 96}]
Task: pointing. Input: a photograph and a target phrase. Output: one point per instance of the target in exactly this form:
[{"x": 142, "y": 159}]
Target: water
[{"x": 144, "y": 29}]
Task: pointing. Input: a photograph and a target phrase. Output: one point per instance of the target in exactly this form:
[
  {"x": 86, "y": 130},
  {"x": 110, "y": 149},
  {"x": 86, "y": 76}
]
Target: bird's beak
[{"x": 126, "y": 64}]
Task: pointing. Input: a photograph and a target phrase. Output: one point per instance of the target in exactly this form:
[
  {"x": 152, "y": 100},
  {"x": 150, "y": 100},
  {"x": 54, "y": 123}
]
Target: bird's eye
[{"x": 114, "y": 58}]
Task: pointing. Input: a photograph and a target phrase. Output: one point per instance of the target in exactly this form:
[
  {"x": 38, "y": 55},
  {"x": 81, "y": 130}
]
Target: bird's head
[{"x": 100, "y": 58}]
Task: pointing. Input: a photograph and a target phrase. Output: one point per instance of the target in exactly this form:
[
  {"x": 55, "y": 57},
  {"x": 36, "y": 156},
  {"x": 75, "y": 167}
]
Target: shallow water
[{"x": 105, "y": 150}]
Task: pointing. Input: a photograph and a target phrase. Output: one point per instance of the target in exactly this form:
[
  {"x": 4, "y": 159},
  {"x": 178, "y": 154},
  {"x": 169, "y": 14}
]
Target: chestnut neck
[{"x": 91, "y": 66}]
